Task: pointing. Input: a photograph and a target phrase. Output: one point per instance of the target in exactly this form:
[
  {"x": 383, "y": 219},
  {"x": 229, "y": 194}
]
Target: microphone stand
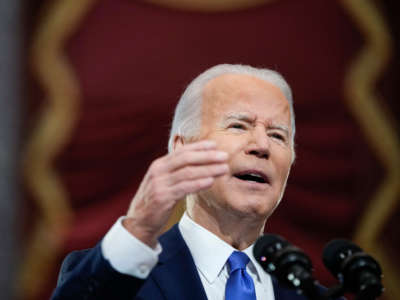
[
  {"x": 301, "y": 279},
  {"x": 335, "y": 292}
]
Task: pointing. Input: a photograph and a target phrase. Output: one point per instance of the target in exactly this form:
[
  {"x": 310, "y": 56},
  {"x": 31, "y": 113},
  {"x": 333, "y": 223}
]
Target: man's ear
[{"x": 179, "y": 141}]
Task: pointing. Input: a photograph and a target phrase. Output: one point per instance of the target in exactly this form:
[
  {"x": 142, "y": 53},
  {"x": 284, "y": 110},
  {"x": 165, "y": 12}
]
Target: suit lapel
[
  {"x": 176, "y": 273},
  {"x": 178, "y": 279},
  {"x": 277, "y": 290}
]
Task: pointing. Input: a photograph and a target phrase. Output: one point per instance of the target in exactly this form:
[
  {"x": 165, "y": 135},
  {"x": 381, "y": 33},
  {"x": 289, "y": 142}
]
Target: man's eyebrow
[
  {"x": 240, "y": 116},
  {"x": 280, "y": 127},
  {"x": 246, "y": 117}
]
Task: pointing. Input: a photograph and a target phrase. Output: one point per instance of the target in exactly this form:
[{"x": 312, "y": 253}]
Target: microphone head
[
  {"x": 289, "y": 264},
  {"x": 335, "y": 252},
  {"x": 267, "y": 245},
  {"x": 357, "y": 271},
  {"x": 276, "y": 255}
]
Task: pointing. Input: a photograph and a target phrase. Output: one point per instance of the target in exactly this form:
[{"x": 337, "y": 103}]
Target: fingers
[
  {"x": 198, "y": 153},
  {"x": 195, "y": 158},
  {"x": 192, "y": 186},
  {"x": 198, "y": 172},
  {"x": 190, "y": 169},
  {"x": 201, "y": 145},
  {"x": 190, "y": 166}
]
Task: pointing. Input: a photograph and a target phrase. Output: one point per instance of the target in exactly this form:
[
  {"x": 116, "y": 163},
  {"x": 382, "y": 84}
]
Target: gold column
[
  {"x": 52, "y": 131},
  {"x": 363, "y": 102}
]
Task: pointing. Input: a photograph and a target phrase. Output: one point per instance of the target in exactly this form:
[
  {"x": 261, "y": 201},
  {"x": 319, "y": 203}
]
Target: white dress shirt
[
  {"x": 119, "y": 244},
  {"x": 210, "y": 255},
  {"x": 209, "y": 252}
]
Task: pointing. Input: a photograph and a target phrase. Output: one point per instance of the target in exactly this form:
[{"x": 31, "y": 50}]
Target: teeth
[
  {"x": 251, "y": 177},
  {"x": 255, "y": 175}
]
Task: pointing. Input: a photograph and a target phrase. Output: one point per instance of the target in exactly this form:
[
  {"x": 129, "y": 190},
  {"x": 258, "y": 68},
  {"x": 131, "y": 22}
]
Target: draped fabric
[{"x": 132, "y": 61}]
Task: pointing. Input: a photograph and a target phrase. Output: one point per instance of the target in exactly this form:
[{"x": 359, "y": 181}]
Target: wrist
[{"x": 141, "y": 232}]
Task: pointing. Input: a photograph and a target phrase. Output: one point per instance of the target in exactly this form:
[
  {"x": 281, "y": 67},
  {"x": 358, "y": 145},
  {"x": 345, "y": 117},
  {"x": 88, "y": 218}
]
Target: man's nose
[{"x": 259, "y": 145}]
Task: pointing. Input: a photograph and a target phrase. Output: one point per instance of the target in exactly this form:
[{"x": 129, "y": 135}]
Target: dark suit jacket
[{"x": 88, "y": 275}]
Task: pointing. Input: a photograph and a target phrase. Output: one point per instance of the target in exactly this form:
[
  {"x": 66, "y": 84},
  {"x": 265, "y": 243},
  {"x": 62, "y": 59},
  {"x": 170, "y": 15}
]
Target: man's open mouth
[{"x": 252, "y": 176}]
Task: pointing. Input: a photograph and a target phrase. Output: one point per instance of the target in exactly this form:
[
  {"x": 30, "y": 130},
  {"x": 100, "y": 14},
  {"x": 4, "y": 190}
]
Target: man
[{"x": 230, "y": 152}]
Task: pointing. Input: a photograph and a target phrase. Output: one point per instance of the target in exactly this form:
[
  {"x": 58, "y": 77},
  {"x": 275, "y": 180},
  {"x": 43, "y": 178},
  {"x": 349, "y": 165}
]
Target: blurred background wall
[{"x": 102, "y": 77}]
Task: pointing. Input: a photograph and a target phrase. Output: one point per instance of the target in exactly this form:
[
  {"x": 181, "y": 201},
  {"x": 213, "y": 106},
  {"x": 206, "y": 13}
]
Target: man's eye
[
  {"x": 278, "y": 136},
  {"x": 237, "y": 126}
]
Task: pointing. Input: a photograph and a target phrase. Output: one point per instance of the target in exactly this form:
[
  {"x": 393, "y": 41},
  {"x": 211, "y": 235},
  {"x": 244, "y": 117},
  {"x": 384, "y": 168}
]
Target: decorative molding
[
  {"x": 363, "y": 102},
  {"x": 209, "y": 5},
  {"x": 53, "y": 130}
]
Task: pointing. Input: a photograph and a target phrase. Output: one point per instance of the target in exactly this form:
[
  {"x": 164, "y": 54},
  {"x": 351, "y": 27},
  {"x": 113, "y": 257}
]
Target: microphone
[
  {"x": 290, "y": 265},
  {"x": 357, "y": 271}
]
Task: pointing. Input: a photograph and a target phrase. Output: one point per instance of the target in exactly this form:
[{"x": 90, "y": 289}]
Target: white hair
[{"x": 188, "y": 112}]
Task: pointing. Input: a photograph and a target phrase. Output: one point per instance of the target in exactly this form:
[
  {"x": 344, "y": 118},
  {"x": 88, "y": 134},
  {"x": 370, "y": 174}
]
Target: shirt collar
[
  {"x": 253, "y": 265},
  {"x": 209, "y": 252}
]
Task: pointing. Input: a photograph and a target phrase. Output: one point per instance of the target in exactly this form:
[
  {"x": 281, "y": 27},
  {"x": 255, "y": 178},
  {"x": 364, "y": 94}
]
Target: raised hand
[{"x": 190, "y": 169}]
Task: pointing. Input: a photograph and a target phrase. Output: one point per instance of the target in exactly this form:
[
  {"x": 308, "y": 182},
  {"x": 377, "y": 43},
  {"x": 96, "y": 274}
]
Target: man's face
[{"x": 249, "y": 119}]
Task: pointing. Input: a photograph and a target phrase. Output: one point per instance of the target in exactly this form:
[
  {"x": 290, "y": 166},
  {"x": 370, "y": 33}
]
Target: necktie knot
[
  {"x": 237, "y": 260},
  {"x": 240, "y": 285}
]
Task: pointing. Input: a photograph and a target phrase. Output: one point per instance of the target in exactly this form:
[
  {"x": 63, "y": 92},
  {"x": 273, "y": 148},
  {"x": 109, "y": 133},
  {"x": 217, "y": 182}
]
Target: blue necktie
[{"x": 240, "y": 285}]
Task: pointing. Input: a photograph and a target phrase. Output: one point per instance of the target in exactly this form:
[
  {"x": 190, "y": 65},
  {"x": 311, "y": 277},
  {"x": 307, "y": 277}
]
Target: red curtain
[{"x": 133, "y": 60}]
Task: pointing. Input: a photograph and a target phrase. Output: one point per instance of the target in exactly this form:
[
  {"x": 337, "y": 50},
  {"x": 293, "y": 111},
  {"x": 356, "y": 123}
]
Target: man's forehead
[
  {"x": 232, "y": 82},
  {"x": 245, "y": 97},
  {"x": 229, "y": 88},
  {"x": 240, "y": 89}
]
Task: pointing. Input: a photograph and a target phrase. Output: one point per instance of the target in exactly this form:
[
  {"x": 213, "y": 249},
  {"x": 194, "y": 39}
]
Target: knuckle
[
  {"x": 157, "y": 195},
  {"x": 185, "y": 157},
  {"x": 188, "y": 172},
  {"x": 182, "y": 189},
  {"x": 178, "y": 151},
  {"x": 196, "y": 186},
  {"x": 210, "y": 169},
  {"x": 155, "y": 168},
  {"x": 207, "y": 182},
  {"x": 156, "y": 164},
  {"x": 199, "y": 184},
  {"x": 151, "y": 174}
]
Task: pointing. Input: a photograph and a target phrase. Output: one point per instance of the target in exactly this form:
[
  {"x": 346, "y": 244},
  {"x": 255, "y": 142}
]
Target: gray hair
[{"x": 187, "y": 117}]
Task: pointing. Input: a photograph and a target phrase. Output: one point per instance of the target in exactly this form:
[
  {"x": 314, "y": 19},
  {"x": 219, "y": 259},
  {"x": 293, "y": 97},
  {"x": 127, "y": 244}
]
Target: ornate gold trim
[
  {"x": 209, "y": 5},
  {"x": 376, "y": 124},
  {"x": 52, "y": 131}
]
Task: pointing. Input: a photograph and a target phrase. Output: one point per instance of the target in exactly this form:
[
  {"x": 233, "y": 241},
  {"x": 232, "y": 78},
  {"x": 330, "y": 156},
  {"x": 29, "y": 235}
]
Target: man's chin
[{"x": 253, "y": 210}]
